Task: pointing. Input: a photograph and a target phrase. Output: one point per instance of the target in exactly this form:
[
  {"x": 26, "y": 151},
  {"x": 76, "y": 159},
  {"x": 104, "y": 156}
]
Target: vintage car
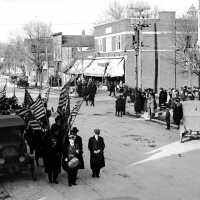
[
  {"x": 22, "y": 82},
  {"x": 190, "y": 126},
  {"x": 14, "y": 155}
]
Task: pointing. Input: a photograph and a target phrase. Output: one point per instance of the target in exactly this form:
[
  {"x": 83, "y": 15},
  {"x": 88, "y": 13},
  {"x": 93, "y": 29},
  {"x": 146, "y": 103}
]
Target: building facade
[
  {"x": 66, "y": 50},
  {"x": 155, "y": 65}
]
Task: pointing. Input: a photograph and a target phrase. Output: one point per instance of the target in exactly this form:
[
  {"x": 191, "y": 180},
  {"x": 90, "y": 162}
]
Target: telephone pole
[{"x": 138, "y": 51}]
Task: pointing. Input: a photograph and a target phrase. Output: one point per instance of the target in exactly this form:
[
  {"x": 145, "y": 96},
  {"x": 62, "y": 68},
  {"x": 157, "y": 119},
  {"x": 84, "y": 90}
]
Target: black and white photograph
[{"x": 99, "y": 100}]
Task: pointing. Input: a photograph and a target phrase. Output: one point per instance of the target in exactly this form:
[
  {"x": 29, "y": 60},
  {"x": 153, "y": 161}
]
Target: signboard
[{"x": 191, "y": 115}]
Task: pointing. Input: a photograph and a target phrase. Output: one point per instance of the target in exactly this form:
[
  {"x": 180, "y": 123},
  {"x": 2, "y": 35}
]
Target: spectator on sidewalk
[
  {"x": 138, "y": 102},
  {"x": 167, "y": 118},
  {"x": 151, "y": 105},
  {"x": 177, "y": 113}
]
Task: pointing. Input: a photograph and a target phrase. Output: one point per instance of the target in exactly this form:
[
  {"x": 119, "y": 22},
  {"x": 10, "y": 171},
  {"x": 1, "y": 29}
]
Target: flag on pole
[
  {"x": 3, "y": 93},
  {"x": 74, "y": 113},
  {"x": 34, "y": 124},
  {"x": 64, "y": 96},
  {"x": 28, "y": 101},
  {"x": 23, "y": 112},
  {"x": 38, "y": 109},
  {"x": 46, "y": 97}
]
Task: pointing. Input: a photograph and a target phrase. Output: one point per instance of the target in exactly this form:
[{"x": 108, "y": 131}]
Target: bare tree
[
  {"x": 37, "y": 44},
  {"x": 15, "y": 55},
  {"x": 139, "y": 9},
  {"x": 187, "y": 52},
  {"x": 115, "y": 11}
]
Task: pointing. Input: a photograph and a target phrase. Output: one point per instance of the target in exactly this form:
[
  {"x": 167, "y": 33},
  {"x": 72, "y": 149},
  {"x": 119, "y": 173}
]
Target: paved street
[{"x": 143, "y": 161}]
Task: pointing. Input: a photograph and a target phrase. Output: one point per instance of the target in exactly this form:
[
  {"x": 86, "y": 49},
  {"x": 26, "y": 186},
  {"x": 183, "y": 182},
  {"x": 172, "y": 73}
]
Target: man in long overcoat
[
  {"x": 53, "y": 154},
  {"x": 92, "y": 89},
  {"x": 177, "y": 113},
  {"x": 96, "y": 147}
]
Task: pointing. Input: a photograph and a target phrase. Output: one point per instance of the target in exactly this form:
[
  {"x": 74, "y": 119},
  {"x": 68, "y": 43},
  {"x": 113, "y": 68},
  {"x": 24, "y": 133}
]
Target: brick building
[{"x": 157, "y": 66}]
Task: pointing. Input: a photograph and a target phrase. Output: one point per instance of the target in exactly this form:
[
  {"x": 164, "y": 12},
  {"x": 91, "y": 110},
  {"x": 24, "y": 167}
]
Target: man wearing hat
[
  {"x": 96, "y": 147},
  {"x": 79, "y": 144}
]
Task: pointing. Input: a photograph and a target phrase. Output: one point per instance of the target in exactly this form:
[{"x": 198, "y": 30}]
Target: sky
[{"x": 67, "y": 16}]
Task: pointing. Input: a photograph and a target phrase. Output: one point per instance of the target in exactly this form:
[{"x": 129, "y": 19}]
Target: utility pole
[
  {"x": 156, "y": 57},
  {"x": 138, "y": 51},
  {"x": 175, "y": 56}
]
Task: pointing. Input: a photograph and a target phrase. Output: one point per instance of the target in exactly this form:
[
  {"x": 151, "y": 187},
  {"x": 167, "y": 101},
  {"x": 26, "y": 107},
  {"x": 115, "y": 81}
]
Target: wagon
[
  {"x": 14, "y": 156},
  {"x": 190, "y": 127}
]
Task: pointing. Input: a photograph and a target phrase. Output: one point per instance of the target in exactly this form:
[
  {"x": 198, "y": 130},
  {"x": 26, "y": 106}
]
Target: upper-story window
[
  {"x": 108, "y": 44},
  {"x": 118, "y": 42},
  {"x": 100, "y": 44},
  {"x": 108, "y": 30}
]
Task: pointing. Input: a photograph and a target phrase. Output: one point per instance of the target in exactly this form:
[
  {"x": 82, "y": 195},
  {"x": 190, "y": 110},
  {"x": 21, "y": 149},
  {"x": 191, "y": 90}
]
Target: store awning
[
  {"x": 97, "y": 68},
  {"x": 79, "y": 66},
  {"x": 115, "y": 68}
]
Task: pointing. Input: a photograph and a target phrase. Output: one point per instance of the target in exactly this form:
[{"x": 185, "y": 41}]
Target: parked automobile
[
  {"x": 13, "y": 78},
  {"x": 22, "y": 82},
  {"x": 14, "y": 155}
]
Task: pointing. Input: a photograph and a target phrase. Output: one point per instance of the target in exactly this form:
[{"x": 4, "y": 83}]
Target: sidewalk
[{"x": 159, "y": 115}]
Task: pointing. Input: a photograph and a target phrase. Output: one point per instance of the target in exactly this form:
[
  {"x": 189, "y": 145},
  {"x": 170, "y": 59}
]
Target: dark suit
[
  {"x": 97, "y": 160},
  {"x": 78, "y": 143}
]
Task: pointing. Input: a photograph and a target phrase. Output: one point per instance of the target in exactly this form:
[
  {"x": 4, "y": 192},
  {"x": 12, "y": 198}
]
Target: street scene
[{"x": 105, "y": 106}]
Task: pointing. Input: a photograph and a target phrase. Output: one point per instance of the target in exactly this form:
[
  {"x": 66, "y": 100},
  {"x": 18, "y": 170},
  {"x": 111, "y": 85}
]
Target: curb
[{"x": 152, "y": 120}]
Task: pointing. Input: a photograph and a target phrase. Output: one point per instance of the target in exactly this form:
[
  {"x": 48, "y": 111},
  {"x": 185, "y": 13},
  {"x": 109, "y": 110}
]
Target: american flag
[
  {"x": 3, "y": 93},
  {"x": 34, "y": 124},
  {"x": 28, "y": 101},
  {"x": 23, "y": 112},
  {"x": 64, "y": 96},
  {"x": 38, "y": 108},
  {"x": 74, "y": 112}
]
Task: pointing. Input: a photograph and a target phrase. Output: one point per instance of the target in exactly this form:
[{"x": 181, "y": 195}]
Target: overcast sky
[{"x": 67, "y": 16}]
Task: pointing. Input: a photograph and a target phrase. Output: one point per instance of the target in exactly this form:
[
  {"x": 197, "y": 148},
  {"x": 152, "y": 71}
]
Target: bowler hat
[{"x": 74, "y": 130}]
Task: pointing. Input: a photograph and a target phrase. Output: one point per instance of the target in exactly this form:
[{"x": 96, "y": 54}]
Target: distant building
[
  {"x": 66, "y": 49},
  {"x": 157, "y": 66}
]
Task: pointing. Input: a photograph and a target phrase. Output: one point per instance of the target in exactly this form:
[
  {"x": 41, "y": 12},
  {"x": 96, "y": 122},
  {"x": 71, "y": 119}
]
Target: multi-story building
[
  {"x": 66, "y": 48},
  {"x": 154, "y": 65}
]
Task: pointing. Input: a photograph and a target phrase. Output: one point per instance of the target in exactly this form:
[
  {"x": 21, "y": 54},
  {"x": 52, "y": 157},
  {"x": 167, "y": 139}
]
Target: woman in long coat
[
  {"x": 53, "y": 154},
  {"x": 96, "y": 147},
  {"x": 151, "y": 105}
]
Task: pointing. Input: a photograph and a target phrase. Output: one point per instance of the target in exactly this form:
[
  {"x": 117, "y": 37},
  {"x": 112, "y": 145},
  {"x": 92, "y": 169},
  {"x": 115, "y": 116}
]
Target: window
[
  {"x": 108, "y": 44},
  {"x": 108, "y": 30},
  {"x": 100, "y": 45},
  {"x": 118, "y": 42}
]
